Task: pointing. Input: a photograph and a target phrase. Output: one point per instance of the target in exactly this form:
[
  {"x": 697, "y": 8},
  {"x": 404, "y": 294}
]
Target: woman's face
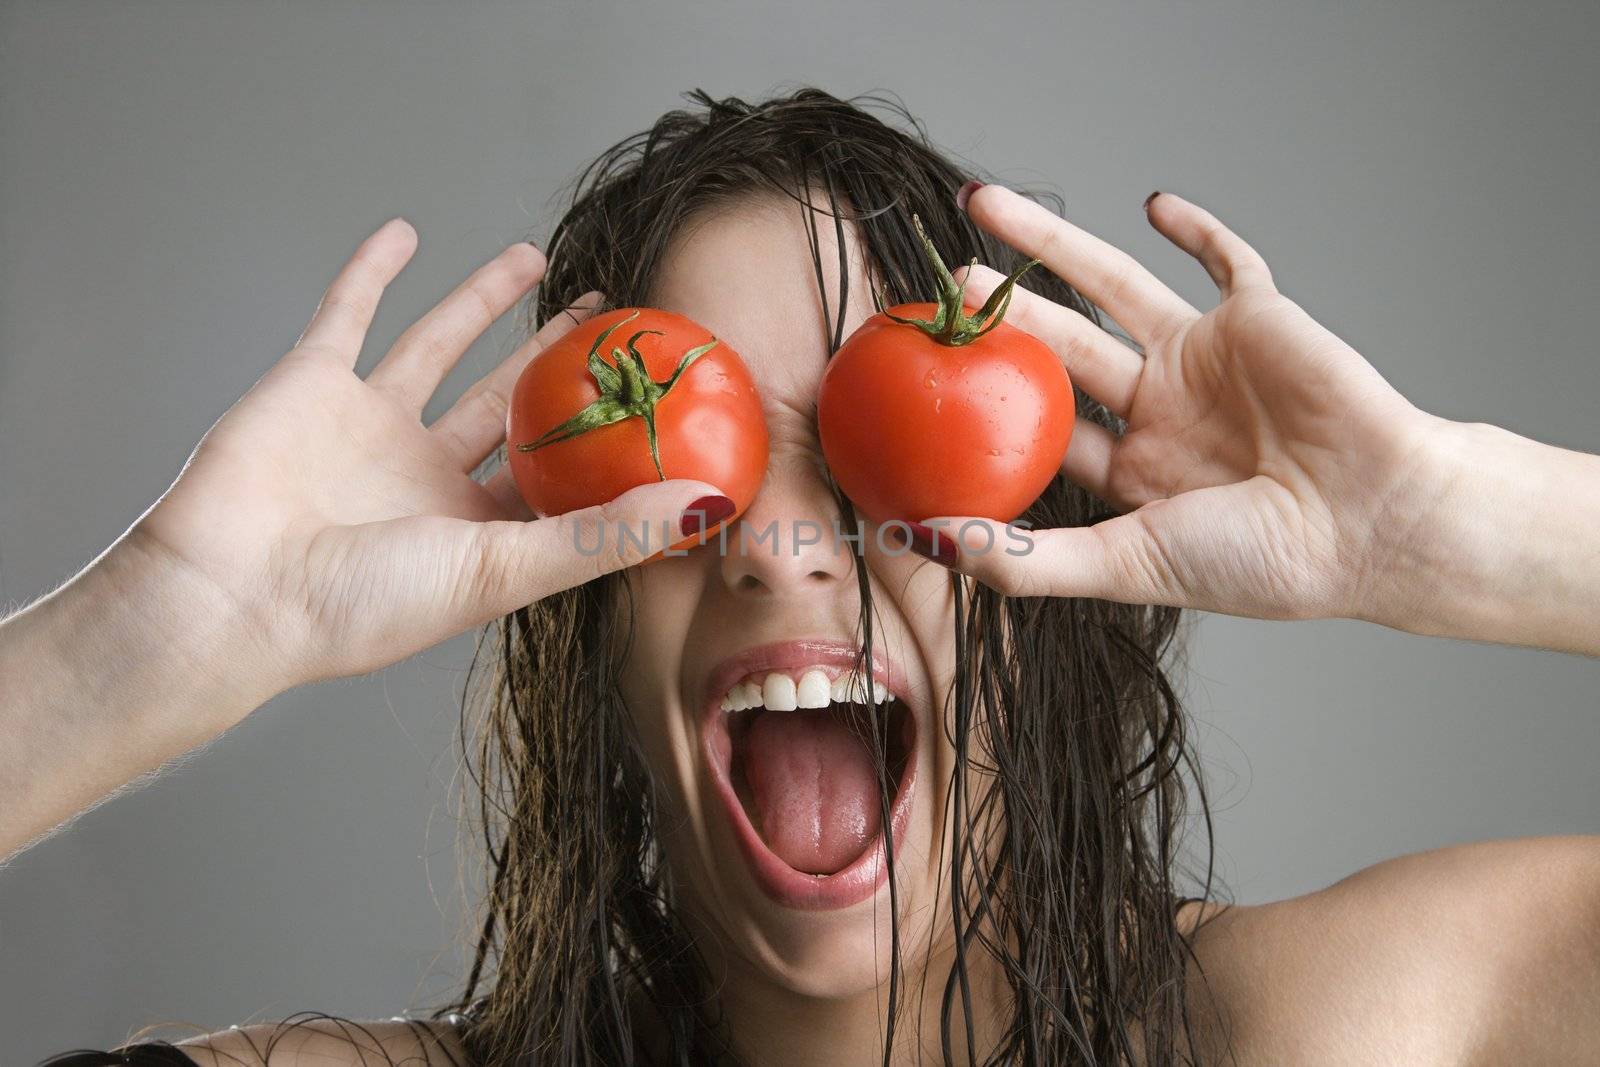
[{"x": 771, "y": 815}]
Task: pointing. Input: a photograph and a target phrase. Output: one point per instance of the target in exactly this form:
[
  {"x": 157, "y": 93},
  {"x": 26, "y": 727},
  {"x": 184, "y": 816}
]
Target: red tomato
[
  {"x": 579, "y": 426},
  {"x": 954, "y": 416}
]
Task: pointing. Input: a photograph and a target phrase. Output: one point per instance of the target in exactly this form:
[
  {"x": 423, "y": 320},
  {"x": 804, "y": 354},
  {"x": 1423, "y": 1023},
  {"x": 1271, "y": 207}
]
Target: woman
[{"x": 1028, "y": 791}]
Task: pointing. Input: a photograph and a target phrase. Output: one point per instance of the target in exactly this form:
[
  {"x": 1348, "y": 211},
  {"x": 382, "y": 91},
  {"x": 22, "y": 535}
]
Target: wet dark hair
[
  {"x": 1073, "y": 767},
  {"x": 1072, "y": 759}
]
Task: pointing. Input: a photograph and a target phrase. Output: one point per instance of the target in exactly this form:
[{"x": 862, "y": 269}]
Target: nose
[{"x": 788, "y": 542}]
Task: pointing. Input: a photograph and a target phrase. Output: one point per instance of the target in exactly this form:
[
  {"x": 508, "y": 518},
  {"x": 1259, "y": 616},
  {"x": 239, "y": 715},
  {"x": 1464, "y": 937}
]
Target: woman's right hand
[{"x": 350, "y": 535}]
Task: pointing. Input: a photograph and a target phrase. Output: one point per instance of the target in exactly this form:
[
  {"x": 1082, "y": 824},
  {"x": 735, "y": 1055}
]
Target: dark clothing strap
[{"x": 143, "y": 1054}]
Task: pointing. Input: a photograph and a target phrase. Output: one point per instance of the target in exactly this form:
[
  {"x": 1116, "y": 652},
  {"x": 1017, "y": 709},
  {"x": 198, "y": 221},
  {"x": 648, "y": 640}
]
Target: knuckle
[
  {"x": 492, "y": 401},
  {"x": 1144, "y": 567},
  {"x": 1118, "y": 278},
  {"x": 1008, "y": 577},
  {"x": 1242, "y": 261},
  {"x": 1214, "y": 235},
  {"x": 494, "y": 565},
  {"x": 480, "y": 303},
  {"x": 608, "y": 515},
  {"x": 316, "y": 350},
  {"x": 1009, "y": 581},
  {"x": 1260, "y": 273},
  {"x": 592, "y": 534},
  {"x": 1078, "y": 336},
  {"x": 629, "y": 538},
  {"x": 470, "y": 430},
  {"x": 348, "y": 305},
  {"x": 368, "y": 272},
  {"x": 1048, "y": 246}
]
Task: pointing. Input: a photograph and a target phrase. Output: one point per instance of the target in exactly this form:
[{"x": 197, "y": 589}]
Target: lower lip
[{"x": 818, "y": 892}]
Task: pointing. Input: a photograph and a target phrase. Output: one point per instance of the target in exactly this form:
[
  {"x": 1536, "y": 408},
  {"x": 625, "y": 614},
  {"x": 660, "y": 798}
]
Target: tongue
[{"x": 815, "y": 788}]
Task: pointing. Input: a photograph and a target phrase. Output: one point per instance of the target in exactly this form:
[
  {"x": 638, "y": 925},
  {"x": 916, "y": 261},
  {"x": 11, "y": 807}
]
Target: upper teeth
[{"x": 811, "y": 688}]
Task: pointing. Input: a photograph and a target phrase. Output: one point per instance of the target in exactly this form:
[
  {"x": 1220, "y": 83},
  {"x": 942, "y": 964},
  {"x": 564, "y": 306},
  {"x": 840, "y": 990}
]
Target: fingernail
[
  {"x": 1151, "y": 197},
  {"x": 926, "y": 542},
  {"x": 964, "y": 193},
  {"x": 705, "y": 513}
]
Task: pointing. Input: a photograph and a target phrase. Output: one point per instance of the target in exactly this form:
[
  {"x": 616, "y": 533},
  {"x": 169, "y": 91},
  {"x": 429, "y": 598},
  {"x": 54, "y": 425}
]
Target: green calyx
[
  {"x": 952, "y": 325},
  {"x": 626, "y": 391}
]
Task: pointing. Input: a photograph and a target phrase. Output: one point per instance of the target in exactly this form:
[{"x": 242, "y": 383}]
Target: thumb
[
  {"x": 1111, "y": 560},
  {"x": 516, "y": 563}
]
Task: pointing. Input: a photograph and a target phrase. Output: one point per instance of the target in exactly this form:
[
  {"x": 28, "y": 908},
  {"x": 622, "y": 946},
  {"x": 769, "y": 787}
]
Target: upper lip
[{"x": 787, "y": 655}]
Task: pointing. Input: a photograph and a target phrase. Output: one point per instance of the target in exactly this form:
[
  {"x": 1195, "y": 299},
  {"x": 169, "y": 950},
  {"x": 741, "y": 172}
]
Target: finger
[
  {"x": 475, "y": 425},
  {"x": 424, "y": 354},
  {"x": 1232, "y": 263},
  {"x": 1113, "y": 280},
  {"x": 340, "y": 323},
  {"x": 502, "y": 489},
  {"x": 1088, "y": 459},
  {"x": 512, "y": 564},
  {"x": 1098, "y": 363},
  {"x": 1118, "y": 559}
]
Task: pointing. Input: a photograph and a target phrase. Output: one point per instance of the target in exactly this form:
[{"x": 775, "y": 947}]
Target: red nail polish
[
  {"x": 965, "y": 193},
  {"x": 927, "y": 542},
  {"x": 705, "y": 513},
  {"x": 1151, "y": 197}
]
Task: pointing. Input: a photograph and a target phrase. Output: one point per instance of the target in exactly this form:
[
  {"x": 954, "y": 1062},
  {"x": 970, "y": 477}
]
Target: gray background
[{"x": 179, "y": 182}]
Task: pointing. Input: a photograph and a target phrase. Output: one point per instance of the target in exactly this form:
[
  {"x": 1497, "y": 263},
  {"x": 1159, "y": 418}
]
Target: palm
[
  {"x": 326, "y": 449},
  {"x": 282, "y": 499},
  {"x": 1249, "y": 388},
  {"x": 1257, "y": 409}
]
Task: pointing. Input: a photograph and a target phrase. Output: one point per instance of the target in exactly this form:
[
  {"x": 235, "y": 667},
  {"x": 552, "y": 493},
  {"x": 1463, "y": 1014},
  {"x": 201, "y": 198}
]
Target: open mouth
[{"x": 800, "y": 755}]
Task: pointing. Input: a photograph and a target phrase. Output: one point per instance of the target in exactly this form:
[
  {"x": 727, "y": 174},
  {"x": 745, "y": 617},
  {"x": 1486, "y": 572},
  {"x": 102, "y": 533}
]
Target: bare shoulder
[
  {"x": 1485, "y": 953},
  {"x": 330, "y": 1043}
]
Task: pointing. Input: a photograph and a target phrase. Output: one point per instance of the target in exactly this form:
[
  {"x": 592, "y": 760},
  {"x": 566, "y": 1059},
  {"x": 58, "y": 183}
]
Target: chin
[{"x": 839, "y": 957}]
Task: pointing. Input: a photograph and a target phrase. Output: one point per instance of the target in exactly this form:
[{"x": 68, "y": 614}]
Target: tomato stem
[
  {"x": 626, "y": 391},
  {"x": 951, "y": 325}
]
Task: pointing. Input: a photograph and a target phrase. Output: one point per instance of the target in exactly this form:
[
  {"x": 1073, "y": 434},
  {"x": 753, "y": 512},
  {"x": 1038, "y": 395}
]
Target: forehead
[{"x": 745, "y": 271}]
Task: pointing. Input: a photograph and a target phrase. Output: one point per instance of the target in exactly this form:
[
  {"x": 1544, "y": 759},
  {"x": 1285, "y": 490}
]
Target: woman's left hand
[{"x": 1267, "y": 469}]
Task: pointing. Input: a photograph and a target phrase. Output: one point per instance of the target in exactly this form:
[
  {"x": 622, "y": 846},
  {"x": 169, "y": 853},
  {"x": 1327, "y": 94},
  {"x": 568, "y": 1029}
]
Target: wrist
[
  {"x": 200, "y": 649},
  {"x": 139, "y": 649},
  {"x": 130, "y": 663},
  {"x": 1491, "y": 536}
]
